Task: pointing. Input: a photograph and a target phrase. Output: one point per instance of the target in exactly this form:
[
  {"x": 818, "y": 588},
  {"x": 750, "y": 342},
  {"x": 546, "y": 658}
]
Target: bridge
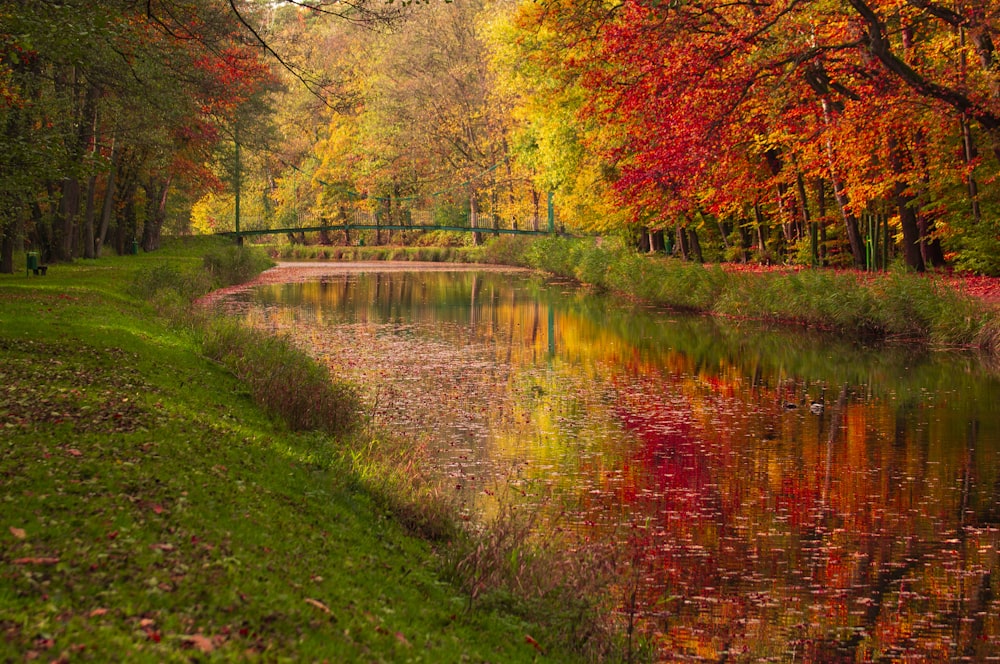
[
  {"x": 370, "y": 220},
  {"x": 347, "y": 228}
]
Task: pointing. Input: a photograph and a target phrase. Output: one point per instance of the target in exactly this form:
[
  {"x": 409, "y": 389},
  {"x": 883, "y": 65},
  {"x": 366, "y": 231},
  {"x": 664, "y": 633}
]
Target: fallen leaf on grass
[
  {"x": 318, "y": 604},
  {"x": 402, "y": 639},
  {"x": 202, "y": 643},
  {"x": 98, "y": 612},
  {"x": 18, "y": 532},
  {"x": 535, "y": 644},
  {"x": 36, "y": 561},
  {"x": 74, "y": 452}
]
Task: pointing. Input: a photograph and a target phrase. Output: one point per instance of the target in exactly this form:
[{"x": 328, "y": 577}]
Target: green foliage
[
  {"x": 503, "y": 250},
  {"x": 166, "y": 276},
  {"x": 234, "y": 264},
  {"x": 397, "y": 474},
  {"x": 979, "y": 249},
  {"x": 553, "y": 255},
  {"x": 451, "y": 214}
]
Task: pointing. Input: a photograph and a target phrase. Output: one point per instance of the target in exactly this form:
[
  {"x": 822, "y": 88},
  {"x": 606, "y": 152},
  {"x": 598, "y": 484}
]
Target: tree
[
  {"x": 728, "y": 109},
  {"x": 120, "y": 89}
]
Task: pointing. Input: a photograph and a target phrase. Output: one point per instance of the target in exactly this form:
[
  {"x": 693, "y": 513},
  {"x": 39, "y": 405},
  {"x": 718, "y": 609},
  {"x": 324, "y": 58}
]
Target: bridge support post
[
  {"x": 551, "y": 212},
  {"x": 236, "y": 187}
]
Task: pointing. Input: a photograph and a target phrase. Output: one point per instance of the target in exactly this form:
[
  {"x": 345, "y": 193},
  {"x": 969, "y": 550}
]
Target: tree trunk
[
  {"x": 682, "y": 242},
  {"x": 695, "y": 246},
  {"x": 930, "y": 246},
  {"x": 107, "y": 210},
  {"x": 746, "y": 239},
  {"x": 904, "y": 207},
  {"x": 536, "y": 206},
  {"x": 643, "y": 241},
  {"x": 821, "y": 218},
  {"x": 908, "y": 220},
  {"x": 655, "y": 241},
  {"x": 807, "y": 222},
  {"x": 64, "y": 228},
  {"x": 126, "y": 227},
  {"x": 851, "y": 224},
  {"x": 88, "y": 218},
  {"x": 761, "y": 240},
  {"x": 477, "y": 237},
  {"x": 7, "y": 233},
  {"x": 970, "y": 154},
  {"x": 156, "y": 204}
]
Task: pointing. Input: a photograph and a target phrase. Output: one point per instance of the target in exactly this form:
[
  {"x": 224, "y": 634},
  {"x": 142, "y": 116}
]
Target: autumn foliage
[{"x": 772, "y": 125}]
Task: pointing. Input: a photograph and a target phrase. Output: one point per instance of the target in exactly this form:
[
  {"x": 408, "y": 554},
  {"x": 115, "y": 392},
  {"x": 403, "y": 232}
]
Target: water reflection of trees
[
  {"x": 770, "y": 539},
  {"x": 758, "y": 528}
]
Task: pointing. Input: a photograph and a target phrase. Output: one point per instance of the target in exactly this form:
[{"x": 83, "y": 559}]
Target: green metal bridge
[
  {"x": 347, "y": 228},
  {"x": 372, "y": 220}
]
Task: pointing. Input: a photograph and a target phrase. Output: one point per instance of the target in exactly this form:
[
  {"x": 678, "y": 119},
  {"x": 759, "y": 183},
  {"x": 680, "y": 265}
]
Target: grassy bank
[
  {"x": 890, "y": 305},
  {"x": 164, "y": 500}
]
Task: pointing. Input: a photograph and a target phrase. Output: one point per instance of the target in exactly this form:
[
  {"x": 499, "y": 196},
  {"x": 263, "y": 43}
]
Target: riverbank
[
  {"x": 940, "y": 310},
  {"x": 895, "y": 305},
  {"x": 155, "y": 512}
]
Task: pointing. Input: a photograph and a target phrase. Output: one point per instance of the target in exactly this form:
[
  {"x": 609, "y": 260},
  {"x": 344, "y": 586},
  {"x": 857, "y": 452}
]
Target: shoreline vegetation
[
  {"x": 894, "y": 305},
  {"x": 167, "y": 496}
]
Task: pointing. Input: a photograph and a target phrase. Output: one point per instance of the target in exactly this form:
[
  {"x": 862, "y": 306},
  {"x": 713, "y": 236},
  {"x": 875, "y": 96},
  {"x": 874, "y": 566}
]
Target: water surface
[{"x": 785, "y": 496}]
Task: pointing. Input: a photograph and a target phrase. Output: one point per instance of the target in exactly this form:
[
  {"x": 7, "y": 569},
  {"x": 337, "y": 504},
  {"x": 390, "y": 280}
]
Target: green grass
[{"x": 154, "y": 511}]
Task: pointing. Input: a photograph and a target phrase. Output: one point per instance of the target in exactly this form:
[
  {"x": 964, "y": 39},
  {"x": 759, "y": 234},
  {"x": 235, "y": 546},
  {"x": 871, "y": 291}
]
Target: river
[{"x": 785, "y": 495}]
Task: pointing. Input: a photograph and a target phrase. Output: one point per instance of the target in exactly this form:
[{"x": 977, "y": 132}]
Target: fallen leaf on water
[
  {"x": 18, "y": 532},
  {"x": 318, "y": 604}
]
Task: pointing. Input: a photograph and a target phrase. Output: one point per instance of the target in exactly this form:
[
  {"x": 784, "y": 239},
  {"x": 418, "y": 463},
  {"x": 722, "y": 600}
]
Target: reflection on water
[{"x": 786, "y": 497}]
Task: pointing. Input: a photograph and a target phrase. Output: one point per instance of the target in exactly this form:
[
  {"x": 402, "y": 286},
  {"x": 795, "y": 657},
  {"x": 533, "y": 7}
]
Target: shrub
[
  {"x": 169, "y": 288},
  {"x": 284, "y": 380},
  {"x": 988, "y": 336},
  {"x": 235, "y": 264},
  {"x": 503, "y": 250},
  {"x": 563, "y": 585}
]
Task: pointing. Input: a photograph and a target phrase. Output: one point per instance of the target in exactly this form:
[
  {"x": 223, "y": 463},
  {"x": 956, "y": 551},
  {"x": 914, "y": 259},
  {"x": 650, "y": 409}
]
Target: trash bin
[
  {"x": 31, "y": 262},
  {"x": 135, "y": 247}
]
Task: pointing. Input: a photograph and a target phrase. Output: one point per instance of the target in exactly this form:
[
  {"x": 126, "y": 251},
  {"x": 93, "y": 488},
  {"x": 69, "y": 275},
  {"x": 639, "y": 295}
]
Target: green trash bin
[
  {"x": 135, "y": 247},
  {"x": 31, "y": 262}
]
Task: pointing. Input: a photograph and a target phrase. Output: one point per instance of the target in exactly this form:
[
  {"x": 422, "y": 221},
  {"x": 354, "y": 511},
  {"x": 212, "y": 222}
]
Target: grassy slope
[{"x": 151, "y": 512}]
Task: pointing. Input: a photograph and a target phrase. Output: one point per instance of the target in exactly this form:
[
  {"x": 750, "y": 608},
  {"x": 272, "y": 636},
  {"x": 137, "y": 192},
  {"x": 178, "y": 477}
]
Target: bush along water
[{"x": 892, "y": 305}]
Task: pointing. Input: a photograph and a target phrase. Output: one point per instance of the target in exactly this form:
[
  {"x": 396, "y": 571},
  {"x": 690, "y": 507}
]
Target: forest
[{"x": 848, "y": 133}]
